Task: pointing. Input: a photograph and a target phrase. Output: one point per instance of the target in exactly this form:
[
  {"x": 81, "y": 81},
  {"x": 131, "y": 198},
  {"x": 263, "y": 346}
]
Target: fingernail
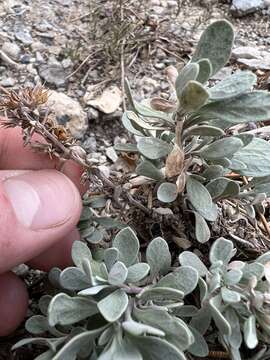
[{"x": 41, "y": 199}]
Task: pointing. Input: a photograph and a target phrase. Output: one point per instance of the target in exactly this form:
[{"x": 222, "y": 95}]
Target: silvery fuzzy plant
[
  {"x": 235, "y": 295},
  {"x": 185, "y": 146},
  {"x": 115, "y": 306}
]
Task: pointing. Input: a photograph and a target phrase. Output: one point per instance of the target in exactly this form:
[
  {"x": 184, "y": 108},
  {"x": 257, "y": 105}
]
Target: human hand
[{"x": 39, "y": 209}]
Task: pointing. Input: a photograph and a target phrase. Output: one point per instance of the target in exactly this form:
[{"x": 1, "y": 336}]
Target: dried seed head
[{"x": 27, "y": 98}]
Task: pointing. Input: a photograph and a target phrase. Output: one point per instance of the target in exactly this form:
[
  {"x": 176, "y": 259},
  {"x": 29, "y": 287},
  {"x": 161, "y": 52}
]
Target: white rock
[
  {"x": 255, "y": 64},
  {"x": 244, "y": 7},
  {"x": 108, "y": 102},
  {"x": 111, "y": 154},
  {"x": 246, "y": 52},
  {"x": 105, "y": 170},
  {"x": 12, "y": 50},
  {"x": 68, "y": 112}
]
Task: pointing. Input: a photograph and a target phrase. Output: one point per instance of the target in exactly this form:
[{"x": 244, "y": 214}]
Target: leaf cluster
[
  {"x": 113, "y": 305},
  {"x": 185, "y": 145}
]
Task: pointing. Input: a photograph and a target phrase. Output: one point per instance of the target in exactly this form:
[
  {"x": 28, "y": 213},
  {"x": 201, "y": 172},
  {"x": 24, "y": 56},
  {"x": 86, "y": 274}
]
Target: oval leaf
[
  {"x": 215, "y": 44},
  {"x": 147, "y": 169},
  {"x": 222, "y": 188},
  {"x": 167, "y": 192},
  {"x": 153, "y": 148},
  {"x": 189, "y": 72},
  {"x": 66, "y": 310},
  {"x": 137, "y": 272},
  {"x": 128, "y": 245},
  {"x": 222, "y": 250},
  {"x": 118, "y": 274},
  {"x": 200, "y": 199},
  {"x": 188, "y": 258},
  {"x": 184, "y": 279},
  {"x": 202, "y": 231},
  {"x": 225, "y": 147},
  {"x": 234, "y": 85},
  {"x": 193, "y": 96},
  {"x": 205, "y": 70},
  {"x": 252, "y": 106},
  {"x": 113, "y": 306},
  {"x": 158, "y": 257}
]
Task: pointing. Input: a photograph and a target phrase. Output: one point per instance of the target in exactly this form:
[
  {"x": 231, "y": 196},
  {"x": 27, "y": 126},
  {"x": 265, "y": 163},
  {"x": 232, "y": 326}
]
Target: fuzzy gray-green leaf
[
  {"x": 253, "y": 269},
  {"x": 202, "y": 231},
  {"x": 233, "y": 277},
  {"x": 235, "y": 340},
  {"x": 153, "y": 148},
  {"x": 221, "y": 250},
  {"x": 66, "y": 310},
  {"x": 128, "y": 245},
  {"x": 230, "y": 296},
  {"x": 111, "y": 255},
  {"x": 205, "y": 70},
  {"x": 189, "y": 72},
  {"x": 204, "y": 130},
  {"x": 252, "y": 106},
  {"x": 185, "y": 279},
  {"x": 256, "y": 158},
  {"x": 147, "y": 169},
  {"x": 130, "y": 126},
  {"x": 234, "y": 85},
  {"x": 199, "y": 347},
  {"x": 213, "y": 172},
  {"x": 167, "y": 192},
  {"x": 79, "y": 252},
  {"x": 200, "y": 199},
  {"x": 187, "y": 258},
  {"x": 137, "y": 272},
  {"x": 193, "y": 96},
  {"x": 37, "y": 324},
  {"x": 220, "y": 321},
  {"x": 137, "y": 329},
  {"x": 161, "y": 294},
  {"x": 126, "y": 148},
  {"x": 250, "y": 332},
  {"x": 121, "y": 348},
  {"x": 114, "y": 305},
  {"x": 73, "y": 347},
  {"x": 222, "y": 188},
  {"x": 158, "y": 257},
  {"x": 225, "y": 147},
  {"x": 215, "y": 44},
  {"x": 118, "y": 274},
  {"x": 176, "y": 330},
  {"x": 72, "y": 278},
  {"x": 154, "y": 348}
]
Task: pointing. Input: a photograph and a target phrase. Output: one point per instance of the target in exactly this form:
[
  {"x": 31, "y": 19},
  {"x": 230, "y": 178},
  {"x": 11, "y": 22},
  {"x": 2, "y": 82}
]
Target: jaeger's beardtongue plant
[{"x": 120, "y": 304}]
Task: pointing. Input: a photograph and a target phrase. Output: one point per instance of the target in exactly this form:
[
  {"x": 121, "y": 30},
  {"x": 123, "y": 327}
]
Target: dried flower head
[{"x": 27, "y": 108}]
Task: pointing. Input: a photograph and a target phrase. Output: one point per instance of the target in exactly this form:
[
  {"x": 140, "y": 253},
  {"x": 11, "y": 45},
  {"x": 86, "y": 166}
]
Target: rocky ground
[{"x": 81, "y": 50}]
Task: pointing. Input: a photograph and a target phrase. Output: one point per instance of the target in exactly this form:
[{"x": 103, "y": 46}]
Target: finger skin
[
  {"x": 13, "y": 303},
  {"x": 14, "y": 156},
  {"x": 58, "y": 255},
  {"x": 19, "y": 244}
]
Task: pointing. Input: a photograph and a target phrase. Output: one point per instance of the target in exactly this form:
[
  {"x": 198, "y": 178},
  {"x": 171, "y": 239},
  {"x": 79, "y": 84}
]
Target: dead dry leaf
[{"x": 175, "y": 162}]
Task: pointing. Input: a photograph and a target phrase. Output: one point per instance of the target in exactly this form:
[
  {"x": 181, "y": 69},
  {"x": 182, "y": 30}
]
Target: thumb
[{"x": 37, "y": 209}]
